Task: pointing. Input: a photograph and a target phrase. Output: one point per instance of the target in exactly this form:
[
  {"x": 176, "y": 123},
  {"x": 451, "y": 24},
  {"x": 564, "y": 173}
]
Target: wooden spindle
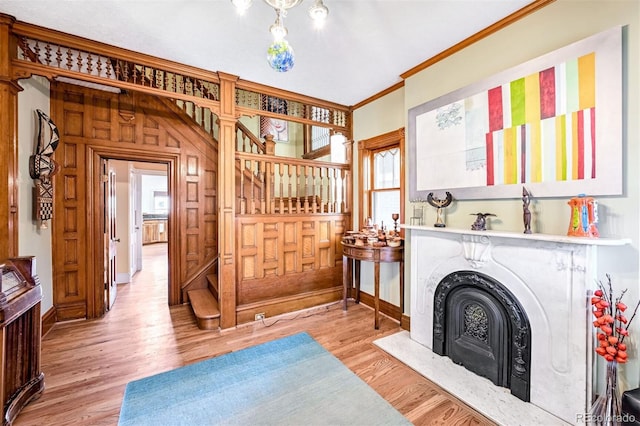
[
  {"x": 281, "y": 166},
  {"x": 252, "y": 209},
  {"x": 314, "y": 202},
  {"x": 242, "y": 206}
]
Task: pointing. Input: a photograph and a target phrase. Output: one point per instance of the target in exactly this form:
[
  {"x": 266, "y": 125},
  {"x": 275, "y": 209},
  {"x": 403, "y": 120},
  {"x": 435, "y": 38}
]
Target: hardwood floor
[{"x": 88, "y": 363}]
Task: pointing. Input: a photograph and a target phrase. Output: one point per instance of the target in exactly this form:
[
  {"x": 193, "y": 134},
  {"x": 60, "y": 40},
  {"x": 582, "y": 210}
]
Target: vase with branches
[{"x": 612, "y": 327}]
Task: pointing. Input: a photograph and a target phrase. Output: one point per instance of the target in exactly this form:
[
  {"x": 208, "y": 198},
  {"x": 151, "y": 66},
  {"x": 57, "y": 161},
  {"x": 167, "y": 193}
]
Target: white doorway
[{"x": 137, "y": 182}]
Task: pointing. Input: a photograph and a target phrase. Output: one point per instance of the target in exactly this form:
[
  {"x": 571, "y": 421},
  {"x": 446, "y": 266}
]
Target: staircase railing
[{"x": 282, "y": 185}]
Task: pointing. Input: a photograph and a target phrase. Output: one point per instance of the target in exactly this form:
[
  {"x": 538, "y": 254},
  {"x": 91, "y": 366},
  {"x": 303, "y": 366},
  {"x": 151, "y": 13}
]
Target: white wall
[
  {"x": 33, "y": 240},
  {"x": 150, "y": 184},
  {"x": 556, "y": 25},
  {"x": 123, "y": 220}
]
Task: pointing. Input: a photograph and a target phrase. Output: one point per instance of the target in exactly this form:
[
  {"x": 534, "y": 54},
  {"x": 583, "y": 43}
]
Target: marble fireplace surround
[{"x": 552, "y": 278}]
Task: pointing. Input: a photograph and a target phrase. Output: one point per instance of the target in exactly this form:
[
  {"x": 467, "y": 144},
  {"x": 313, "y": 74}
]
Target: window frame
[{"x": 367, "y": 148}]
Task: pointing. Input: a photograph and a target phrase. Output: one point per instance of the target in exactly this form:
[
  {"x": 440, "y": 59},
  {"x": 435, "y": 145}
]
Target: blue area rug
[{"x": 289, "y": 381}]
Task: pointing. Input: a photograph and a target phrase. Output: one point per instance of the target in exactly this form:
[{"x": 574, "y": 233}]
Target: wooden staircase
[{"x": 204, "y": 302}]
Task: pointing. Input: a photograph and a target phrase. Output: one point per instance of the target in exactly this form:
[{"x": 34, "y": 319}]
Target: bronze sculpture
[
  {"x": 526, "y": 213},
  {"x": 480, "y": 223}
]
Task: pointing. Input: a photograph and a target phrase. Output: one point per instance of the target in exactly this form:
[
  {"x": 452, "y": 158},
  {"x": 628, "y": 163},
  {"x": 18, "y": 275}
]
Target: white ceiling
[{"x": 363, "y": 48}]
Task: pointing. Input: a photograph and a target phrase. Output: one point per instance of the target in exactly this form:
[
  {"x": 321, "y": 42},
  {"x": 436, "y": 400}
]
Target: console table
[{"x": 386, "y": 254}]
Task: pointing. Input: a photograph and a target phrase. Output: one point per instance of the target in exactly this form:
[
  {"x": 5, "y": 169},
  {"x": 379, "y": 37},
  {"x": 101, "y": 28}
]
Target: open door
[
  {"x": 135, "y": 228},
  {"x": 109, "y": 231}
]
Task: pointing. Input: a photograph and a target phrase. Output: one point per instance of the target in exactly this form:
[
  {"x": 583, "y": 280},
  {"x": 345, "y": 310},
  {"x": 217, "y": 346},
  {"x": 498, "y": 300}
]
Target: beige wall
[
  {"x": 33, "y": 240},
  {"x": 557, "y": 25}
]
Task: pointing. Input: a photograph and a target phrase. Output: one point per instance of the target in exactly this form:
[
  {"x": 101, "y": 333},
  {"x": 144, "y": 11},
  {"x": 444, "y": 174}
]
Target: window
[
  {"x": 381, "y": 178},
  {"x": 385, "y": 191}
]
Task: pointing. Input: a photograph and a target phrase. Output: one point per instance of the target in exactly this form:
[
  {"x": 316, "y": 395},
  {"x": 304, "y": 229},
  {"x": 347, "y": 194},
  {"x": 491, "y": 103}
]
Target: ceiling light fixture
[{"x": 280, "y": 54}]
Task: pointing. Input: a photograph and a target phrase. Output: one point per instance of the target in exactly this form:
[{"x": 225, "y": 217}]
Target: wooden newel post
[{"x": 269, "y": 145}]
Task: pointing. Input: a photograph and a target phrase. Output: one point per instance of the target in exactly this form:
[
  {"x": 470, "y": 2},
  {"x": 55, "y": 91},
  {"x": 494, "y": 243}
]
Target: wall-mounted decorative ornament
[{"x": 42, "y": 167}]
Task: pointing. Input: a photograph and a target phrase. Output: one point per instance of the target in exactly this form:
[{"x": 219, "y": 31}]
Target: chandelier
[{"x": 280, "y": 54}]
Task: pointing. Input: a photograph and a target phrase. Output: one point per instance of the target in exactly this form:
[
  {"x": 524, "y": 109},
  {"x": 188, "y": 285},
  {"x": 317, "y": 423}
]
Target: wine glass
[{"x": 395, "y": 217}]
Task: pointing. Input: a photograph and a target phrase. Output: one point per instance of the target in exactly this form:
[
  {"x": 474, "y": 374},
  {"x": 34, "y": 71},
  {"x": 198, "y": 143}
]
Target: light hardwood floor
[{"x": 88, "y": 363}]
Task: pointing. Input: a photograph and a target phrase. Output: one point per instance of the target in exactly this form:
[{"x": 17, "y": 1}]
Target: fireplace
[
  {"x": 510, "y": 307},
  {"x": 479, "y": 324}
]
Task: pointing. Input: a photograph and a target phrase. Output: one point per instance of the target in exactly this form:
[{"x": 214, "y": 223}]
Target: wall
[
  {"x": 33, "y": 240},
  {"x": 123, "y": 220},
  {"x": 381, "y": 116},
  {"x": 150, "y": 184},
  {"x": 556, "y": 25}
]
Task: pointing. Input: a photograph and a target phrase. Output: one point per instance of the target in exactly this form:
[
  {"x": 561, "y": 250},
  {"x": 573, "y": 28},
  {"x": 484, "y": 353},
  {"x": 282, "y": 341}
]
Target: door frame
[{"x": 95, "y": 291}]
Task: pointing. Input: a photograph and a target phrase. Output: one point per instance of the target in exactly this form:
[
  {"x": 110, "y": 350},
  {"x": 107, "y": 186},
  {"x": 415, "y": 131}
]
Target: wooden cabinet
[
  {"x": 20, "y": 335},
  {"x": 154, "y": 231}
]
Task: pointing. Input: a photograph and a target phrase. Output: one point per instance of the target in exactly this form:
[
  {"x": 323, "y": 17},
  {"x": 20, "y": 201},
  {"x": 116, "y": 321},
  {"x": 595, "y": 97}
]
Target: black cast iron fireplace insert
[{"x": 479, "y": 324}]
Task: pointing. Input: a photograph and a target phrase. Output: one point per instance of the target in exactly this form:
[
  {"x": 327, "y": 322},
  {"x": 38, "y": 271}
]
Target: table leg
[
  {"x": 376, "y": 300},
  {"x": 401, "y": 290},
  {"x": 357, "y": 267},
  {"x": 346, "y": 280}
]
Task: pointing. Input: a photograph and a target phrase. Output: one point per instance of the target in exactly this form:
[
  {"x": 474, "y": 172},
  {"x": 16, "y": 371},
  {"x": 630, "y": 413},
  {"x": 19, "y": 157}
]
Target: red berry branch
[{"x": 611, "y": 324}]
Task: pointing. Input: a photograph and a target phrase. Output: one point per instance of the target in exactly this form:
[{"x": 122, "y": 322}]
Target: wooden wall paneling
[
  {"x": 8, "y": 143},
  {"x": 307, "y": 249},
  {"x": 69, "y": 224},
  {"x": 96, "y": 124},
  {"x": 290, "y": 259},
  {"x": 226, "y": 197},
  {"x": 305, "y": 267}
]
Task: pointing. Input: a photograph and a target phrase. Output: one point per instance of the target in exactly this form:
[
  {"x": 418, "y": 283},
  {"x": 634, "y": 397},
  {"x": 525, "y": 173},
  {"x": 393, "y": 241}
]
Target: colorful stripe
[
  {"x": 518, "y": 92},
  {"x": 490, "y": 173},
  {"x": 495, "y": 109},
  {"x": 587, "y": 81},
  {"x": 547, "y": 93}
]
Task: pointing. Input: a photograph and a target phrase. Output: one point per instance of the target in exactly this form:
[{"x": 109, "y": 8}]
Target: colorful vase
[{"x": 584, "y": 217}]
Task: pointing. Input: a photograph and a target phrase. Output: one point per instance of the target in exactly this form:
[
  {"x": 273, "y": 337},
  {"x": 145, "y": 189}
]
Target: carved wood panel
[
  {"x": 136, "y": 127},
  {"x": 280, "y": 256}
]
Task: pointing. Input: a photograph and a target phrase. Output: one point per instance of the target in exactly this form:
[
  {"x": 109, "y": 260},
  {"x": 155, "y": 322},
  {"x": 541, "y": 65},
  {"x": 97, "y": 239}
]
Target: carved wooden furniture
[
  {"x": 20, "y": 330},
  {"x": 351, "y": 253}
]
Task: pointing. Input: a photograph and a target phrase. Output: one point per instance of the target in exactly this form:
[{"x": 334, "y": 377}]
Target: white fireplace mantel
[
  {"x": 551, "y": 276},
  {"x": 563, "y": 239}
]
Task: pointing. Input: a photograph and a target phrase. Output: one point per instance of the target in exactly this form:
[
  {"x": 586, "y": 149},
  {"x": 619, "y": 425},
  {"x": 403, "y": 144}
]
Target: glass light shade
[
  {"x": 278, "y": 31},
  {"x": 318, "y": 12},
  {"x": 283, "y": 4},
  {"x": 241, "y": 5},
  {"x": 280, "y": 56}
]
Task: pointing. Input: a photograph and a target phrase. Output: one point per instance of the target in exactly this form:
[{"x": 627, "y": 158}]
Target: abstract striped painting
[
  {"x": 553, "y": 124},
  {"x": 542, "y": 127}
]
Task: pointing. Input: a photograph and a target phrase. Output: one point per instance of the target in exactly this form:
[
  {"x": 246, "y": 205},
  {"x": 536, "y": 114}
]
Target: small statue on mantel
[
  {"x": 439, "y": 204},
  {"x": 480, "y": 223},
  {"x": 526, "y": 213}
]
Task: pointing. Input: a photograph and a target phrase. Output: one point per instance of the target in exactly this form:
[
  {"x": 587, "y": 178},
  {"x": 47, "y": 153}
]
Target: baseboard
[
  {"x": 282, "y": 305},
  {"x": 48, "y": 320},
  {"x": 123, "y": 278},
  {"x": 386, "y": 308},
  {"x": 405, "y": 322}
]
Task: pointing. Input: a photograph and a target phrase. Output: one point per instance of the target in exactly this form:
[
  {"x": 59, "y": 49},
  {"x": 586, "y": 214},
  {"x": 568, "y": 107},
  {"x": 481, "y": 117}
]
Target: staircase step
[
  {"x": 205, "y": 307},
  {"x": 212, "y": 279}
]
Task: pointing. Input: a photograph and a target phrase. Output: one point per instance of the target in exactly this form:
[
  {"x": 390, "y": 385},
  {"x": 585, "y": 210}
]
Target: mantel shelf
[{"x": 563, "y": 239}]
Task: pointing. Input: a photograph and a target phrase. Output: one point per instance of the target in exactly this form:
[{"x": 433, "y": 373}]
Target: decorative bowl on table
[{"x": 395, "y": 242}]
